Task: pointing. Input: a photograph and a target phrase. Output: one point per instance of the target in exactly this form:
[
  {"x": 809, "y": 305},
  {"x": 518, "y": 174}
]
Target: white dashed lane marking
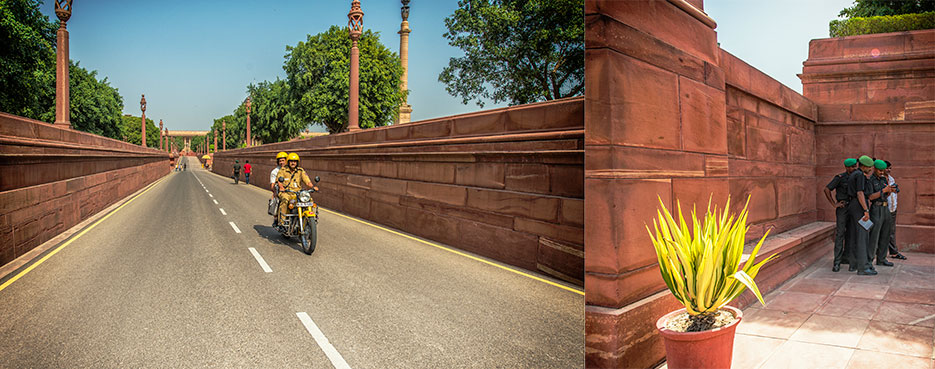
[
  {"x": 259, "y": 259},
  {"x": 234, "y": 226},
  {"x": 215, "y": 202},
  {"x": 323, "y": 342},
  {"x": 222, "y": 211}
]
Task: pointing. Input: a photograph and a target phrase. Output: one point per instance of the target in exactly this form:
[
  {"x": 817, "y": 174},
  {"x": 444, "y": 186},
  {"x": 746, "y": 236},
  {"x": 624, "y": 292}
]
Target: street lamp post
[
  {"x": 355, "y": 25},
  {"x": 249, "y": 142},
  {"x": 62, "y": 98},
  {"x": 143, "y": 108},
  {"x": 160, "y": 135},
  {"x": 215, "y": 140},
  {"x": 224, "y": 132},
  {"x": 167, "y": 139},
  {"x": 405, "y": 110}
]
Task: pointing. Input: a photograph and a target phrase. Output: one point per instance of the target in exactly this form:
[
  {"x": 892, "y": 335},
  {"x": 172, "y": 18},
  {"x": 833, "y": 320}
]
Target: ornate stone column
[
  {"x": 405, "y": 110},
  {"x": 215, "y": 140},
  {"x": 355, "y": 25},
  {"x": 62, "y": 98},
  {"x": 143, "y": 108},
  {"x": 249, "y": 142},
  {"x": 224, "y": 133},
  {"x": 167, "y": 139},
  {"x": 160, "y": 135}
]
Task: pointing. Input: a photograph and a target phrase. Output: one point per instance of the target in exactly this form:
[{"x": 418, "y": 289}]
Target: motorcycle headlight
[{"x": 304, "y": 196}]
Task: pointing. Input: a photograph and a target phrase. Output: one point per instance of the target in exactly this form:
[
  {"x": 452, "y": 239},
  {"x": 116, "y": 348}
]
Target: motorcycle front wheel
[{"x": 310, "y": 238}]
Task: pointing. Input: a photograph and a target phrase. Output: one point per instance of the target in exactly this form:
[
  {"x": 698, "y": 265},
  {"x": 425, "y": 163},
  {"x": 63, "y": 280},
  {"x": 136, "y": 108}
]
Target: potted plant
[{"x": 700, "y": 263}]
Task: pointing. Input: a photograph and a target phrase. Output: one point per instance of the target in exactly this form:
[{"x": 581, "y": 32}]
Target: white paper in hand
[{"x": 865, "y": 223}]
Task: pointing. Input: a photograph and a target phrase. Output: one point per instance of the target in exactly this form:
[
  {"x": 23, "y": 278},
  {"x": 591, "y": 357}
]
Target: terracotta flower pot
[{"x": 708, "y": 349}]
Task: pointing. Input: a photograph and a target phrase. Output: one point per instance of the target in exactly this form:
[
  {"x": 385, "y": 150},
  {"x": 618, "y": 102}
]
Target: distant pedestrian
[
  {"x": 247, "y": 168},
  {"x": 236, "y": 173}
]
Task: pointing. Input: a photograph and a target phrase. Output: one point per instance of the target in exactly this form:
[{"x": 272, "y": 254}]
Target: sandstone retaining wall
[
  {"x": 53, "y": 178},
  {"x": 504, "y": 183}
]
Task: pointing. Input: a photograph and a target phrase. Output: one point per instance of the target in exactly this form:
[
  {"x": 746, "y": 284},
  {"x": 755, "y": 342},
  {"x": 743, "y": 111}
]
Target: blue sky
[{"x": 194, "y": 59}]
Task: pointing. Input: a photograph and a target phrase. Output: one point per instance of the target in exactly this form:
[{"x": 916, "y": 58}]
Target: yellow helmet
[
  {"x": 293, "y": 156},
  {"x": 281, "y": 155}
]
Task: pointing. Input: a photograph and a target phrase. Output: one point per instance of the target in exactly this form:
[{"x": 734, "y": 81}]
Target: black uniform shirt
[
  {"x": 857, "y": 181},
  {"x": 877, "y": 184},
  {"x": 838, "y": 184}
]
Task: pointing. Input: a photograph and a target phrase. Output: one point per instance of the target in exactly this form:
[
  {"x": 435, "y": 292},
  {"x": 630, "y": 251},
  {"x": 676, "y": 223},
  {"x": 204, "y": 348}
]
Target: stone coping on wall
[
  {"x": 743, "y": 76},
  {"x": 16, "y": 130}
]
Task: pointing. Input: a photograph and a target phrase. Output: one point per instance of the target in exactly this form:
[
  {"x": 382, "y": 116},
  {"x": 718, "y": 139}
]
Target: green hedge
[{"x": 882, "y": 24}]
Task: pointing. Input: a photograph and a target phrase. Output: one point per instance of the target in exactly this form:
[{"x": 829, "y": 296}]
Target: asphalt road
[{"x": 168, "y": 282}]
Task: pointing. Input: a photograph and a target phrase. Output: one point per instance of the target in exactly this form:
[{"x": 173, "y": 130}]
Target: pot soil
[{"x": 705, "y": 349}]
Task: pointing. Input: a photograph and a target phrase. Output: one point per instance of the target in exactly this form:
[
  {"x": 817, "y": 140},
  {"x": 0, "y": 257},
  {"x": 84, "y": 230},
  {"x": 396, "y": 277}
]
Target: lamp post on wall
[
  {"x": 355, "y": 25},
  {"x": 215, "y": 140},
  {"x": 167, "y": 139},
  {"x": 249, "y": 142},
  {"x": 160, "y": 135},
  {"x": 62, "y": 98},
  {"x": 224, "y": 132},
  {"x": 405, "y": 110},
  {"x": 143, "y": 108}
]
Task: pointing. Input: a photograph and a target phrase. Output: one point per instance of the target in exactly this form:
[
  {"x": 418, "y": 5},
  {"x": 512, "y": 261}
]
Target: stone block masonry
[
  {"x": 53, "y": 177},
  {"x": 506, "y": 183}
]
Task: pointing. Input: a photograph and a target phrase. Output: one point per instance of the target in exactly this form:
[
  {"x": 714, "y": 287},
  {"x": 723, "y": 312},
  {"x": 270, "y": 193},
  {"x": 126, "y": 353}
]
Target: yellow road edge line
[
  {"x": 461, "y": 253},
  {"x": 72, "y": 239}
]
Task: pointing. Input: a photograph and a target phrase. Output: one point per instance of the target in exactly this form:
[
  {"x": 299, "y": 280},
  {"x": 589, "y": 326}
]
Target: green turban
[
  {"x": 866, "y": 161},
  {"x": 850, "y": 162},
  {"x": 879, "y": 164}
]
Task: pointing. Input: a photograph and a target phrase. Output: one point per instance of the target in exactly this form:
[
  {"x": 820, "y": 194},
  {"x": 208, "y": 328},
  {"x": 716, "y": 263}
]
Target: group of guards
[{"x": 865, "y": 200}]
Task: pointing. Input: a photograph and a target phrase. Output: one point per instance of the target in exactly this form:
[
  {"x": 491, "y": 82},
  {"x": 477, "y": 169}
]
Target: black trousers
[
  {"x": 859, "y": 237},
  {"x": 892, "y": 238},
  {"x": 841, "y": 246},
  {"x": 879, "y": 233}
]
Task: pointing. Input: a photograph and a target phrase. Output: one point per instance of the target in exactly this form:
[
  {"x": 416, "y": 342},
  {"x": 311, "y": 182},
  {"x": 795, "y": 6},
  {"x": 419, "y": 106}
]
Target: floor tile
[
  {"x": 904, "y": 280},
  {"x": 752, "y": 351},
  {"x": 828, "y": 274},
  {"x": 863, "y": 359},
  {"x": 897, "y": 339},
  {"x": 904, "y": 313},
  {"x": 862, "y": 290},
  {"x": 831, "y": 330},
  {"x": 909, "y": 294},
  {"x": 770, "y": 323},
  {"x": 797, "y": 355},
  {"x": 796, "y": 302},
  {"x": 879, "y": 279},
  {"x": 816, "y": 286},
  {"x": 850, "y": 307}
]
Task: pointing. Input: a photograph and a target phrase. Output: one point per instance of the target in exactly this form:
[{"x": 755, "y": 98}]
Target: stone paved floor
[{"x": 821, "y": 319}]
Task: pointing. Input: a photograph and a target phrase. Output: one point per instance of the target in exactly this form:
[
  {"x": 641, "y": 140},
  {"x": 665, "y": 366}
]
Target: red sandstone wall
[
  {"x": 669, "y": 114},
  {"x": 53, "y": 178},
  {"x": 876, "y": 96},
  {"x": 503, "y": 183}
]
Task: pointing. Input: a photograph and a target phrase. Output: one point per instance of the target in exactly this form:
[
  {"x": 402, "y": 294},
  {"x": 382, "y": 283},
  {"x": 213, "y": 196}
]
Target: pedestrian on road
[
  {"x": 292, "y": 177},
  {"x": 236, "y": 171},
  {"x": 879, "y": 214},
  {"x": 858, "y": 210},
  {"x": 839, "y": 185},
  {"x": 280, "y": 162},
  {"x": 891, "y": 203},
  {"x": 247, "y": 168}
]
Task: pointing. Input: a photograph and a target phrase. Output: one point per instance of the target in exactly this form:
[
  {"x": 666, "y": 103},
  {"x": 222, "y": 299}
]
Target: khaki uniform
[{"x": 293, "y": 179}]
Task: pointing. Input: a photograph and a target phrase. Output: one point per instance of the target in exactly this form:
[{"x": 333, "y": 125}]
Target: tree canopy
[
  {"x": 518, "y": 51},
  {"x": 271, "y": 119},
  {"x": 130, "y": 131},
  {"x": 95, "y": 106},
  {"x": 318, "y": 71},
  {"x": 873, "y": 8},
  {"x": 27, "y": 59}
]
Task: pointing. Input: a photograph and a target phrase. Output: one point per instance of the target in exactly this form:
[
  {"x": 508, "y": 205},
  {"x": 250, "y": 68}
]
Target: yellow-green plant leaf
[{"x": 747, "y": 281}]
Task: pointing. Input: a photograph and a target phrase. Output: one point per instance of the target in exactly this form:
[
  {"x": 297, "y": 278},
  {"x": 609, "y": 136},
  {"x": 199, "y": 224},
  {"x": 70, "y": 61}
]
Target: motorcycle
[{"x": 302, "y": 218}]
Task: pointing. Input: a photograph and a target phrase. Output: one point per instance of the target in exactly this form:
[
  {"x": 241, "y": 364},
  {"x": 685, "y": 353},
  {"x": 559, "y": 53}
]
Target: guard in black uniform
[
  {"x": 838, "y": 184},
  {"x": 858, "y": 208},
  {"x": 879, "y": 214}
]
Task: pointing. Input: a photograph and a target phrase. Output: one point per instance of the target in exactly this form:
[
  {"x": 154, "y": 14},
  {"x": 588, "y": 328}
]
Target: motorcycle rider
[
  {"x": 292, "y": 177},
  {"x": 280, "y": 163}
]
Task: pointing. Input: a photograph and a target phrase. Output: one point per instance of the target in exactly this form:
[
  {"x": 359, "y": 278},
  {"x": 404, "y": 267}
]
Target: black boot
[
  {"x": 867, "y": 271},
  {"x": 836, "y": 268},
  {"x": 851, "y": 268},
  {"x": 884, "y": 263}
]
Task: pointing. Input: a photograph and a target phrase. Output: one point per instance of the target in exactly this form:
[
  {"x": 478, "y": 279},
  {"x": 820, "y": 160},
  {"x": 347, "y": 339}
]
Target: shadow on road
[{"x": 273, "y": 236}]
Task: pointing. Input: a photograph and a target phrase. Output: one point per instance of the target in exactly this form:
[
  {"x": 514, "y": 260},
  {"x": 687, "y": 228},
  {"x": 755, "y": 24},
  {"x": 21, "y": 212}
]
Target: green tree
[
  {"x": 27, "y": 59},
  {"x": 873, "y": 8},
  {"x": 130, "y": 131},
  {"x": 318, "y": 73},
  {"x": 235, "y": 133},
  {"x": 96, "y": 106},
  {"x": 518, "y": 51},
  {"x": 270, "y": 117}
]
